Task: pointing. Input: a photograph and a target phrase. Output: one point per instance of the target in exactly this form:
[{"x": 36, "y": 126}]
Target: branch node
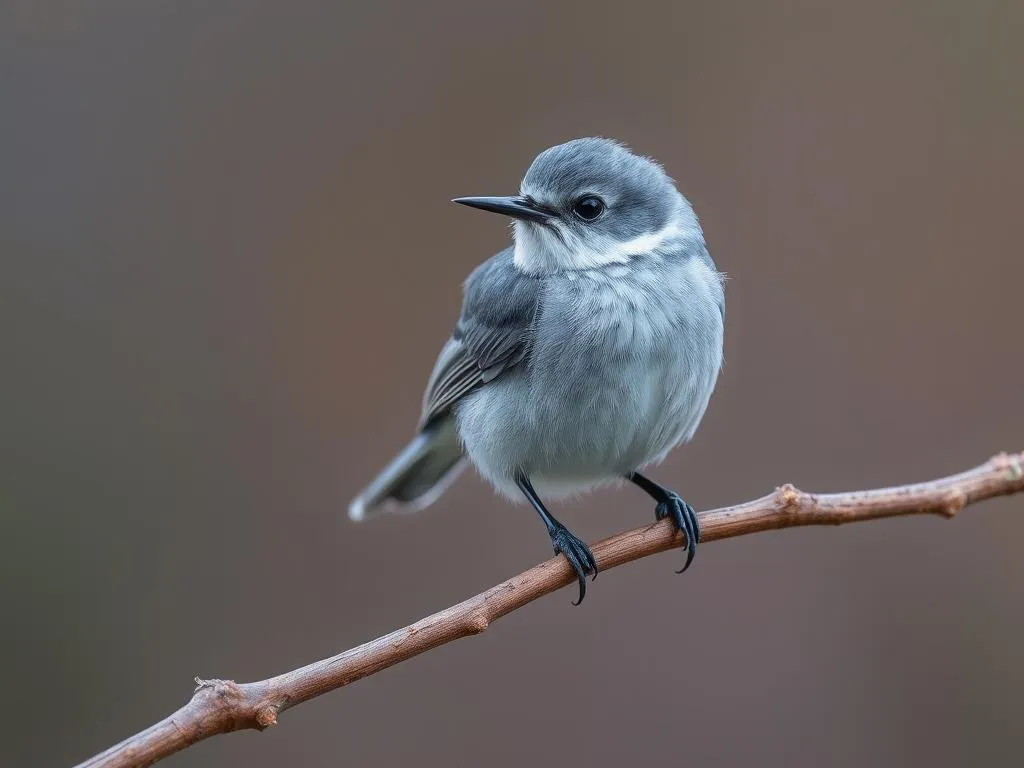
[
  {"x": 226, "y": 698},
  {"x": 789, "y": 498},
  {"x": 477, "y": 622},
  {"x": 222, "y": 689},
  {"x": 200, "y": 684},
  {"x": 266, "y": 716},
  {"x": 956, "y": 500}
]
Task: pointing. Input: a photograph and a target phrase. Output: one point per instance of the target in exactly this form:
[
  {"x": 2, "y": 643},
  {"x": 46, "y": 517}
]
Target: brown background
[{"x": 229, "y": 261}]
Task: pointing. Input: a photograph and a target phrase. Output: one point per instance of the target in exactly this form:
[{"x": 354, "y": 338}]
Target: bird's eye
[{"x": 588, "y": 208}]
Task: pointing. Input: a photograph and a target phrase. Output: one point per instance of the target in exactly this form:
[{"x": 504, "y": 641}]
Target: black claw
[
  {"x": 685, "y": 519},
  {"x": 671, "y": 505},
  {"x": 577, "y": 553}
]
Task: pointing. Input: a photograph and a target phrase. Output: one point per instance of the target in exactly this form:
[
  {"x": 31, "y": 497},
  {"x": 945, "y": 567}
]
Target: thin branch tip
[{"x": 220, "y": 706}]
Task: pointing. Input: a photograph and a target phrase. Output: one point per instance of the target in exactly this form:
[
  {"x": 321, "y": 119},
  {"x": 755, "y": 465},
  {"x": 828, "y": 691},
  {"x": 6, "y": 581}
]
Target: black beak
[{"x": 516, "y": 207}]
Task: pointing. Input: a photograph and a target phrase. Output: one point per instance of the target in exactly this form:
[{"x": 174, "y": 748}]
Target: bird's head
[{"x": 591, "y": 203}]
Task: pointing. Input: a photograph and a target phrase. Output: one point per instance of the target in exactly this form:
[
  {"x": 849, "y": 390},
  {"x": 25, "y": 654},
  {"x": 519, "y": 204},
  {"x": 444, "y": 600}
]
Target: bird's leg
[
  {"x": 670, "y": 504},
  {"x": 563, "y": 540}
]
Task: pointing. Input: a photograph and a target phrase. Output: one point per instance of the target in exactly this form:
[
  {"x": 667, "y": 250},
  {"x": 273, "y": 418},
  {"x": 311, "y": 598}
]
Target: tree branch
[{"x": 219, "y": 706}]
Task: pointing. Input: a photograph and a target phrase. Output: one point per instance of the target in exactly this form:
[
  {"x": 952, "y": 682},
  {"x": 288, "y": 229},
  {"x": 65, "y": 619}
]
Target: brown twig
[{"x": 219, "y": 706}]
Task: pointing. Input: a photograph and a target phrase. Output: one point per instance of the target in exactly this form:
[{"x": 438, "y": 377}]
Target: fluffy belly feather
[{"x": 611, "y": 386}]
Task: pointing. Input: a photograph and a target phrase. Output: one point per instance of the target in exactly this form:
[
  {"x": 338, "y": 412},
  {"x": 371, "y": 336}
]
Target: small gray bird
[{"x": 584, "y": 352}]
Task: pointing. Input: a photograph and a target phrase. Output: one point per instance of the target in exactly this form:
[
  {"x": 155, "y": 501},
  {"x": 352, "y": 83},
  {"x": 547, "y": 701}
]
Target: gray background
[{"x": 228, "y": 261}]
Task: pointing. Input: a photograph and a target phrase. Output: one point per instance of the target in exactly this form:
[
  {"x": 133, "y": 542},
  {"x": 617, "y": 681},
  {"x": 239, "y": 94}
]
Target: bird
[{"x": 584, "y": 352}]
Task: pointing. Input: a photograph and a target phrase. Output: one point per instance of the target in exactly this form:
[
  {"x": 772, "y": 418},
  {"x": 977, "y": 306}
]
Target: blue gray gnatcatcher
[{"x": 584, "y": 352}]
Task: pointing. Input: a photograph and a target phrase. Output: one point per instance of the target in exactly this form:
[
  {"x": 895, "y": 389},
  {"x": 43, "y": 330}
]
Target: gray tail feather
[{"x": 417, "y": 476}]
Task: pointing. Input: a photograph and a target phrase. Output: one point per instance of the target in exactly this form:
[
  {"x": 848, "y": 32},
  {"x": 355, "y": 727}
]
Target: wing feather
[{"x": 492, "y": 335}]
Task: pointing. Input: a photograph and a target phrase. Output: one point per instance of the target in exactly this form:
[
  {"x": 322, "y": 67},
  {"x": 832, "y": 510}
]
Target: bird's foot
[
  {"x": 578, "y": 554},
  {"x": 684, "y": 519}
]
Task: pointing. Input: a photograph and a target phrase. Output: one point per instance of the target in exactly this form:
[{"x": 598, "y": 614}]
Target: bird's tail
[{"x": 417, "y": 475}]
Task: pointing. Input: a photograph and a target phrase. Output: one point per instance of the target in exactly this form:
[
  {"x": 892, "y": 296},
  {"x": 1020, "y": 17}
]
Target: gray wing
[{"x": 493, "y": 333}]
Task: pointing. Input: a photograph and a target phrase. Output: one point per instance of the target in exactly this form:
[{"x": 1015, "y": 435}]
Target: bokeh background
[{"x": 229, "y": 259}]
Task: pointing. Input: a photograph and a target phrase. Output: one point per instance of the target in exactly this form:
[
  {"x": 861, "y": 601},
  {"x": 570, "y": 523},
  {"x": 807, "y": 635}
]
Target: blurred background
[{"x": 228, "y": 263}]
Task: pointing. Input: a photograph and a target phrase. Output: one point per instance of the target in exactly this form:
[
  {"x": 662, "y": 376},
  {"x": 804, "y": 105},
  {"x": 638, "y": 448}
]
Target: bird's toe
[
  {"x": 684, "y": 518},
  {"x": 579, "y": 556}
]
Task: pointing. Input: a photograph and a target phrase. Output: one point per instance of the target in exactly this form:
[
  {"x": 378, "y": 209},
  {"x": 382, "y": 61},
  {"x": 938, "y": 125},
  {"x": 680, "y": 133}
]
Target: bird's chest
[
  {"x": 610, "y": 326},
  {"x": 612, "y": 359},
  {"x": 619, "y": 370}
]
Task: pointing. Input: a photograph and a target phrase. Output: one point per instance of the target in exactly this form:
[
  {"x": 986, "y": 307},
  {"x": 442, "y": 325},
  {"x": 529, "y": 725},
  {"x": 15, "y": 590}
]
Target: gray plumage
[{"x": 585, "y": 351}]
